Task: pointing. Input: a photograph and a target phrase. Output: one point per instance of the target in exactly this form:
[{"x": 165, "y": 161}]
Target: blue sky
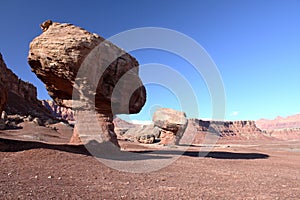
[{"x": 255, "y": 45}]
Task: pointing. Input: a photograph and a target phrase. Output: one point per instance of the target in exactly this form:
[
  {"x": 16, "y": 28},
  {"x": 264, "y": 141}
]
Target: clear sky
[{"x": 255, "y": 45}]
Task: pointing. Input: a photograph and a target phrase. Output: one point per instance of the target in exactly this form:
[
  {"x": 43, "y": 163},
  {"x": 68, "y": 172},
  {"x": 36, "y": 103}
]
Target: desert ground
[
  {"x": 37, "y": 163},
  {"x": 154, "y": 161}
]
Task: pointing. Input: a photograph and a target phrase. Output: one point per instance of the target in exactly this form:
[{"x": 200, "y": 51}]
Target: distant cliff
[
  {"x": 226, "y": 130},
  {"x": 22, "y": 96},
  {"x": 58, "y": 111},
  {"x": 289, "y": 122}
]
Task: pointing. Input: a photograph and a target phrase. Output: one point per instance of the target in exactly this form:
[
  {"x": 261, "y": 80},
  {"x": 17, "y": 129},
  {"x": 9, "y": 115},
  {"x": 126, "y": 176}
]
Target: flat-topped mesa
[{"x": 85, "y": 72}]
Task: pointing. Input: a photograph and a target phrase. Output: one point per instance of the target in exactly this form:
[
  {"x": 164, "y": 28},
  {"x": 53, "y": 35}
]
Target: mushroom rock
[
  {"x": 89, "y": 74},
  {"x": 172, "y": 124}
]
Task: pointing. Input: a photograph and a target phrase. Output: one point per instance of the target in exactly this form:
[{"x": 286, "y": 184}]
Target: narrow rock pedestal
[{"x": 92, "y": 126}]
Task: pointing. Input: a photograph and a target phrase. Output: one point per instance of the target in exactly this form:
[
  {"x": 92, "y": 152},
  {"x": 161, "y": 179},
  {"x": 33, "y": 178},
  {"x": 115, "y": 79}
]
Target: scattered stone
[
  {"x": 2, "y": 124},
  {"x": 29, "y": 118},
  {"x": 4, "y": 116},
  {"x": 49, "y": 121},
  {"x": 146, "y": 139},
  {"x": 37, "y": 121}
]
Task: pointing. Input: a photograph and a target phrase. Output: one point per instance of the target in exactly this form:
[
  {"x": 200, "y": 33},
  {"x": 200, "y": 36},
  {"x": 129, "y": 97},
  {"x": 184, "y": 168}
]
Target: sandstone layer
[{"x": 83, "y": 71}]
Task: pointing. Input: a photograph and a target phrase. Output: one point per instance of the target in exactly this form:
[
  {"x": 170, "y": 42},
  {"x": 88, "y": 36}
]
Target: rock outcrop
[
  {"x": 172, "y": 124},
  {"x": 59, "y": 111},
  {"x": 285, "y": 133},
  {"x": 122, "y": 126},
  {"x": 226, "y": 130},
  {"x": 84, "y": 72},
  {"x": 3, "y": 84},
  {"x": 288, "y": 122},
  {"x": 21, "y": 97},
  {"x": 283, "y": 128},
  {"x": 142, "y": 133}
]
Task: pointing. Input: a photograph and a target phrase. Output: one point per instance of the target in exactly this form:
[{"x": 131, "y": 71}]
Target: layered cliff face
[
  {"x": 3, "y": 84},
  {"x": 225, "y": 130},
  {"x": 289, "y": 122},
  {"x": 283, "y": 128},
  {"x": 59, "y": 111},
  {"x": 228, "y": 128},
  {"x": 21, "y": 96},
  {"x": 285, "y": 133}
]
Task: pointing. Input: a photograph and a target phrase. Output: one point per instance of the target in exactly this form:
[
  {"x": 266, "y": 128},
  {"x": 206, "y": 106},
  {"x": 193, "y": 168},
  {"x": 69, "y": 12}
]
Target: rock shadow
[
  {"x": 227, "y": 155},
  {"x": 93, "y": 148},
  {"x": 212, "y": 154}
]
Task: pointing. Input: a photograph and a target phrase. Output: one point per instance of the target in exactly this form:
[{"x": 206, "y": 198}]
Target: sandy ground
[{"x": 41, "y": 169}]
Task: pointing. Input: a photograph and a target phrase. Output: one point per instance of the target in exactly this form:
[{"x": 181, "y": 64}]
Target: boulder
[
  {"x": 4, "y": 116},
  {"x": 84, "y": 72},
  {"x": 146, "y": 139},
  {"x": 37, "y": 121},
  {"x": 172, "y": 124}
]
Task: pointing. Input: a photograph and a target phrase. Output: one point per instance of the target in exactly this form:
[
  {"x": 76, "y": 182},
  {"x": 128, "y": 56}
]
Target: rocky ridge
[
  {"x": 289, "y": 122},
  {"x": 225, "y": 130}
]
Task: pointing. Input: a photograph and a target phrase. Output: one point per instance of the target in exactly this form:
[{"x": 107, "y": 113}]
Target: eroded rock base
[{"x": 93, "y": 126}]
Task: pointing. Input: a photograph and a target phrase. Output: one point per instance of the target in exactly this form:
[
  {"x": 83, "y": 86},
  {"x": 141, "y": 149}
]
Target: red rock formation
[
  {"x": 285, "y": 133},
  {"x": 57, "y": 55},
  {"x": 59, "y": 111},
  {"x": 279, "y": 123},
  {"x": 3, "y": 85},
  {"x": 239, "y": 130},
  {"x": 172, "y": 124},
  {"x": 21, "y": 96}
]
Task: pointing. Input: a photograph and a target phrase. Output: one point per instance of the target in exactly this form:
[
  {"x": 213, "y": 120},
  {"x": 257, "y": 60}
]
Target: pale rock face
[
  {"x": 59, "y": 111},
  {"x": 172, "y": 124},
  {"x": 77, "y": 65}
]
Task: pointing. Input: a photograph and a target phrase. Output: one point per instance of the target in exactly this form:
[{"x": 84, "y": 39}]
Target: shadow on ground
[{"x": 106, "y": 151}]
